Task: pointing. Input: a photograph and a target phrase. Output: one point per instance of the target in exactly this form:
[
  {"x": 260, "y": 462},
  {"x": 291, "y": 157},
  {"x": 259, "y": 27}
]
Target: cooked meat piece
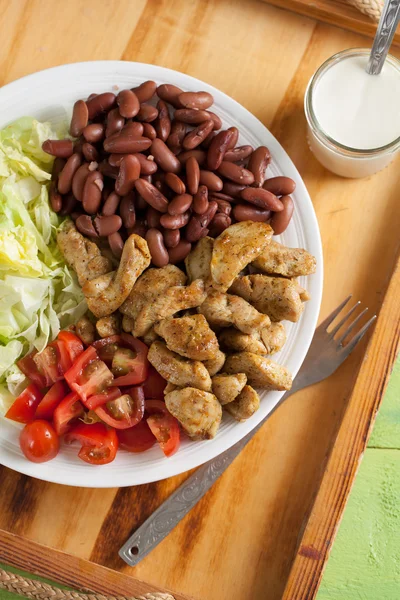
[
  {"x": 245, "y": 405},
  {"x": 85, "y": 329},
  {"x": 107, "y": 326},
  {"x": 223, "y": 310},
  {"x": 233, "y": 339},
  {"x": 213, "y": 365},
  {"x": 198, "y": 261},
  {"x": 260, "y": 371},
  {"x": 170, "y": 387},
  {"x": 127, "y": 323},
  {"x": 189, "y": 336},
  {"x": 227, "y": 387},
  {"x": 276, "y": 297},
  {"x": 165, "y": 305},
  {"x": 198, "y": 412},
  {"x": 303, "y": 293},
  {"x": 277, "y": 259},
  {"x": 177, "y": 370},
  {"x": 152, "y": 283},
  {"x": 235, "y": 248},
  {"x": 134, "y": 260},
  {"x": 273, "y": 337},
  {"x": 150, "y": 336},
  {"x": 81, "y": 254}
]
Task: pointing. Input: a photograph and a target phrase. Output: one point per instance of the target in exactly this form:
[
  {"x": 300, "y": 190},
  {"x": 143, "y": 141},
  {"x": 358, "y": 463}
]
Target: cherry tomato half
[
  {"x": 99, "y": 444},
  {"x": 136, "y": 439},
  {"x": 24, "y": 407},
  {"x": 165, "y": 428},
  {"x": 39, "y": 442},
  {"x": 51, "y": 400}
]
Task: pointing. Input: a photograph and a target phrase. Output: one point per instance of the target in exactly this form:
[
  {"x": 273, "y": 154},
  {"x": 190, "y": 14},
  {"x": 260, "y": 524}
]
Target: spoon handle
[{"x": 384, "y": 36}]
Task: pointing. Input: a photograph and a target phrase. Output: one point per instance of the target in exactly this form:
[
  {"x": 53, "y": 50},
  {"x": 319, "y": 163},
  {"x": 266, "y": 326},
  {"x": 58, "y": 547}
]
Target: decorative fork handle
[
  {"x": 172, "y": 511},
  {"x": 384, "y": 36}
]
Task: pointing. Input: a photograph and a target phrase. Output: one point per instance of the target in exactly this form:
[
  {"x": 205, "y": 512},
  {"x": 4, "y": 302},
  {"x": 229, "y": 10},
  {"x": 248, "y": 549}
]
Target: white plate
[{"x": 50, "y": 94}]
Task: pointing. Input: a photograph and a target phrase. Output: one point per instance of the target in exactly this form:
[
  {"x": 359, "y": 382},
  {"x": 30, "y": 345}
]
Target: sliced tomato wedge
[
  {"x": 100, "y": 399},
  {"x": 66, "y": 412},
  {"x": 64, "y": 358},
  {"x": 28, "y": 367},
  {"x": 154, "y": 385},
  {"x": 124, "y": 412},
  {"x": 24, "y": 407},
  {"x": 89, "y": 376},
  {"x": 72, "y": 343},
  {"x": 47, "y": 363},
  {"x": 138, "y": 363},
  {"x": 165, "y": 428},
  {"x": 136, "y": 439},
  {"x": 153, "y": 406},
  {"x": 99, "y": 444},
  {"x": 51, "y": 400}
]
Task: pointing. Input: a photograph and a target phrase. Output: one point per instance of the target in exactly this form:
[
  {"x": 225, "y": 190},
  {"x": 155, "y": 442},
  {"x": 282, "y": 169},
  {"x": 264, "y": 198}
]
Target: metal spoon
[{"x": 384, "y": 35}]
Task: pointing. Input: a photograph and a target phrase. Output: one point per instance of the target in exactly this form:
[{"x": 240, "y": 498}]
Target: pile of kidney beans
[{"x": 166, "y": 172}]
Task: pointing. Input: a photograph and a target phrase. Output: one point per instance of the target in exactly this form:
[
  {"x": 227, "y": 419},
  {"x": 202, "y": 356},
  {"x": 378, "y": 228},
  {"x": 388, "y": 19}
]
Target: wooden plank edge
[
  {"x": 333, "y": 13},
  {"x": 345, "y": 457},
  {"x": 72, "y": 571}
]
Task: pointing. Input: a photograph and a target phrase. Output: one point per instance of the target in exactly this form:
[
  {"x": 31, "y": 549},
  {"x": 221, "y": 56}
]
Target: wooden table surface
[{"x": 239, "y": 542}]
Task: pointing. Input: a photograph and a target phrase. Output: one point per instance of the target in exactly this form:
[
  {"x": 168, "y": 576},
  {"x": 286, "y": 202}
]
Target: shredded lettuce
[{"x": 39, "y": 294}]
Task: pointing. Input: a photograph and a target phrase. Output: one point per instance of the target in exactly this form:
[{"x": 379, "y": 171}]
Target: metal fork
[{"x": 325, "y": 355}]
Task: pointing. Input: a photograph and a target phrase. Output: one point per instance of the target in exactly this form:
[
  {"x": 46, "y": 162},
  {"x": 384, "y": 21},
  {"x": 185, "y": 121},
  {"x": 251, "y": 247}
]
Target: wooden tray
[{"x": 245, "y": 537}]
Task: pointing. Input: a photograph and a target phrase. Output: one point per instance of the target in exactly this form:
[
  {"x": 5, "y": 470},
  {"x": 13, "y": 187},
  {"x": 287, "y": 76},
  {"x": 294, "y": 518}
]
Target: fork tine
[
  {"x": 351, "y": 345},
  {"x": 326, "y": 322},
  {"x": 343, "y": 321},
  {"x": 351, "y": 326}
]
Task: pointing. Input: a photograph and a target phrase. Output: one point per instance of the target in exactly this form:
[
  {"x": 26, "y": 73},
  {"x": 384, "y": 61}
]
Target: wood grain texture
[{"x": 240, "y": 540}]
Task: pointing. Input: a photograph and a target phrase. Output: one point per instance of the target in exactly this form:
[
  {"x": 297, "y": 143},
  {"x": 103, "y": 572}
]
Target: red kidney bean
[
  {"x": 65, "y": 177},
  {"x": 90, "y": 152},
  {"x": 129, "y": 172},
  {"x": 91, "y": 197},
  {"x": 116, "y": 244},
  {"x": 75, "y": 214},
  {"x": 216, "y": 120},
  {"x": 115, "y": 159},
  {"x": 280, "y": 186},
  {"x": 220, "y": 222},
  {"x": 152, "y": 195},
  {"x": 78, "y": 145},
  {"x": 162, "y": 124},
  {"x": 55, "y": 197},
  {"x": 105, "y": 226},
  {"x": 180, "y": 204},
  {"x": 218, "y": 147},
  {"x": 258, "y": 163},
  {"x": 262, "y": 198},
  {"x": 246, "y": 212},
  {"x": 78, "y": 181},
  {"x": 140, "y": 203},
  {"x": 195, "y": 137},
  {"x": 126, "y": 143},
  {"x": 179, "y": 252},
  {"x": 234, "y": 138},
  {"x": 147, "y": 166},
  {"x": 223, "y": 206},
  {"x": 90, "y": 97},
  {"x": 175, "y": 221},
  {"x": 235, "y": 173},
  {"x": 133, "y": 128},
  {"x": 153, "y": 218},
  {"x": 127, "y": 210},
  {"x": 79, "y": 119},
  {"x": 107, "y": 170},
  {"x": 84, "y": 224},
  {"x": 147, "y": 113},
  {"x": 170, "y": 93},
  {"x": 192, "y": 174},
  {"x": 145, "y": 91},
  {"x": 158, "y": 251},
  {"x": 149, "y": 131},
  {"x": 199, "y": 223},
  {"x": 211, "y": 180},
  {"x": 68, "y": 205},
  {"x": 222, "y": 196},
  {"x": 164, "y": 157},
  {"x": 200, "y": 200},
  {"x": 239, "y": 153},
  {"x": 192, "y": 116},
  {"x": 100, "y": 103},
  {"x": 171, "y": 237},
  {"x": 128, "y": 104},
  {"x": 93, "y": 133},
  {"x": 232, "y": 189},
  {"x": 175, "y": 138},
  {"x": 207, "y": 141},
  {"x": 111, "y": 204},
  {"x": 58, "y": 166},
  {"x": 114, "y": 122},
  {"x": 59, "y": 148},
  {"x": 199, "y": 155},
  {"x": 175, "y": 183},
  {"x": 281, "y": 220},
  {"x": 196, "y": 99}
]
